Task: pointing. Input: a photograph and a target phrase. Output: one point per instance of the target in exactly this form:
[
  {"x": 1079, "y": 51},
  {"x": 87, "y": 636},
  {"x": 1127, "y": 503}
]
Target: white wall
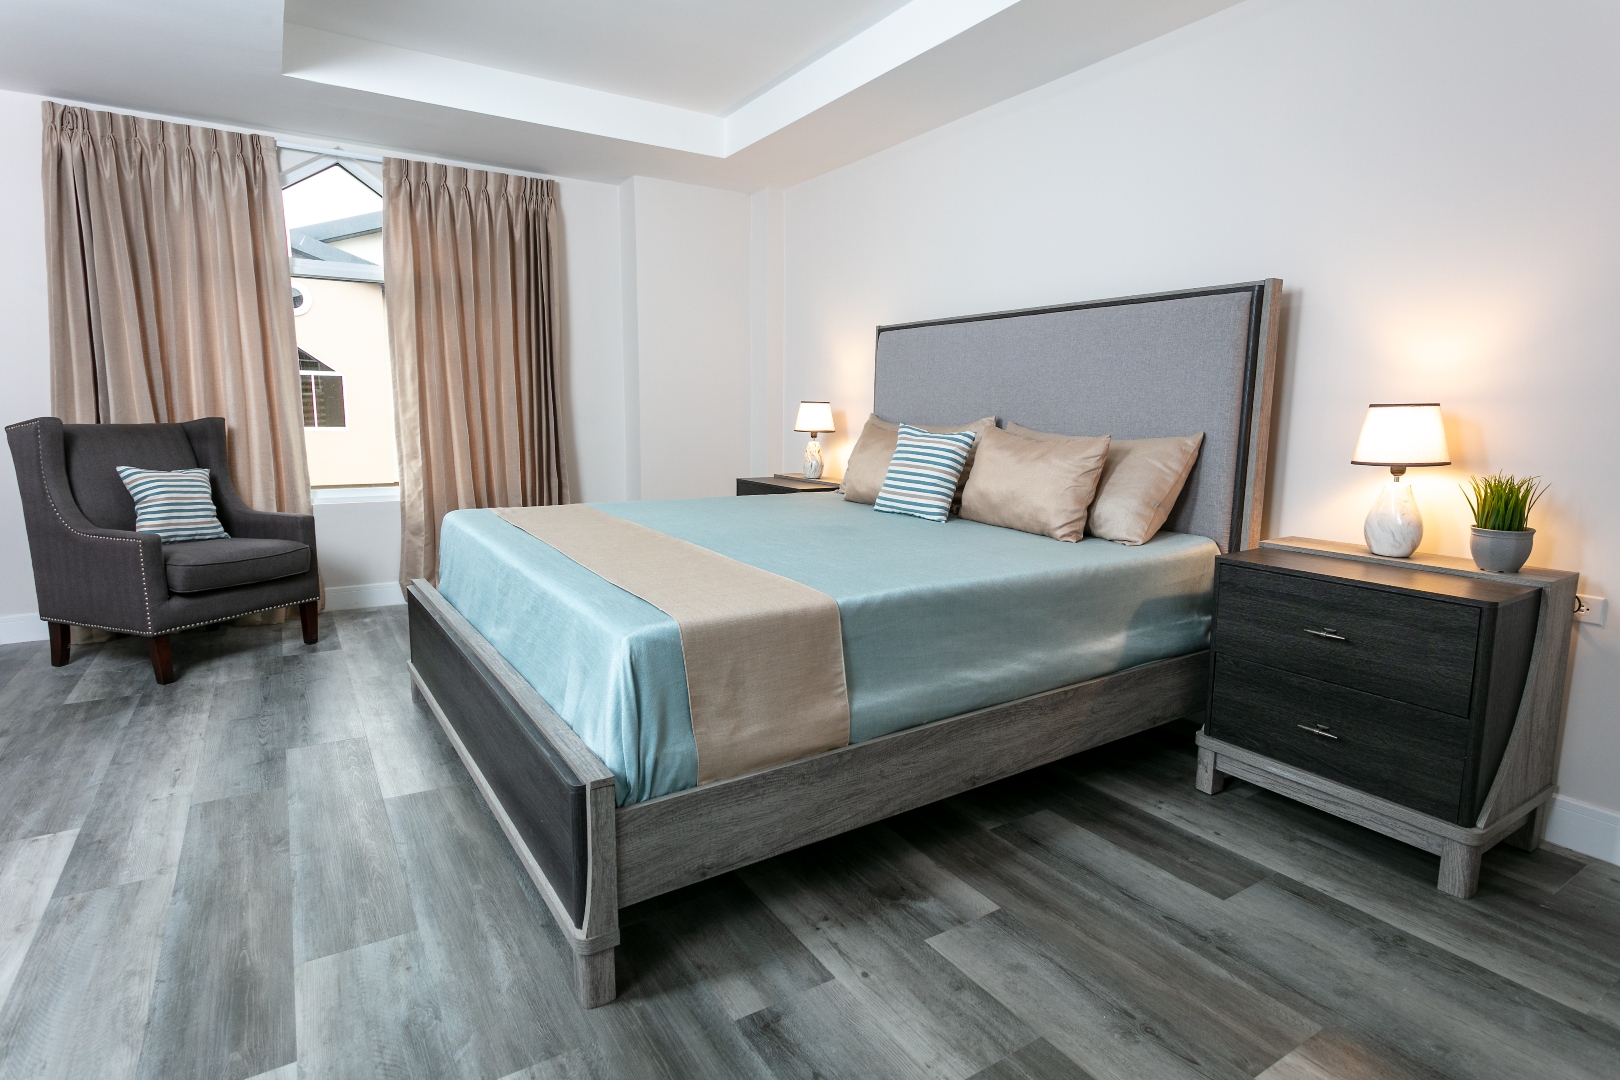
[
  {"x": 1437, "y": 184},
  {"x": 686, "y": 337},
  {"x": 24, "y": 341},
  {"x": 592, "y": 362}
]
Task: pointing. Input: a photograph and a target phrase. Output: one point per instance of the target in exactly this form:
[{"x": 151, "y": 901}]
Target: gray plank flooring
[{"x": 275, "y": 869}]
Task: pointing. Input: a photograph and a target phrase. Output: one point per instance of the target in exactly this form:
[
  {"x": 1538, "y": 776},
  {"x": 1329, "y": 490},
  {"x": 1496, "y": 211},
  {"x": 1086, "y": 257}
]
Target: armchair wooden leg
[
  {"x": 310, "y": 615},
  {"x": 61, "y": 643},
  {"x": 162, "y": 662}
]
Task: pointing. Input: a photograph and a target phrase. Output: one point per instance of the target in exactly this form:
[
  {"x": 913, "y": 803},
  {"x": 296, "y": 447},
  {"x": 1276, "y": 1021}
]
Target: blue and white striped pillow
[
  {"x": 177, "y": 505},
  {"x": 922, "y": 475}
]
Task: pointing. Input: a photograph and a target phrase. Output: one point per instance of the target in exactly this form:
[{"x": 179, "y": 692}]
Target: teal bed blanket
[{"x": 938, "y": 619}]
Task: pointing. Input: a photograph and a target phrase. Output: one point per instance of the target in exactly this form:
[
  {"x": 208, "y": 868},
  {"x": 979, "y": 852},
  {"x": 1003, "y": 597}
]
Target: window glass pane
[
  {"x": 342, "y": 323},
  {"x": 328, "y": 400}
]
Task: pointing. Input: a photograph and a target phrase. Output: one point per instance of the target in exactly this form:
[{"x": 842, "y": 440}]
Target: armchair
[{"x": 91, "y": 568}]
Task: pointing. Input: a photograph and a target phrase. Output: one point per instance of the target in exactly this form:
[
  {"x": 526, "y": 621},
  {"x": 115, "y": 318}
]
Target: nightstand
[
  {"x": 1419, "y": 697},
  {"x": 782, "y": 484}
]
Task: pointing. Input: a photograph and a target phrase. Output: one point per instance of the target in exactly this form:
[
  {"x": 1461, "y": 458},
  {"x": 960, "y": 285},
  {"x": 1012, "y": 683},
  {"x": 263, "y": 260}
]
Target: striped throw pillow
[
  {"x": 922, "y": 475},
  {"x": 176, "y": 505}
]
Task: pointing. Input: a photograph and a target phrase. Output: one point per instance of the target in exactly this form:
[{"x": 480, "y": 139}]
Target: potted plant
[{"x": 1501, "y": 505}]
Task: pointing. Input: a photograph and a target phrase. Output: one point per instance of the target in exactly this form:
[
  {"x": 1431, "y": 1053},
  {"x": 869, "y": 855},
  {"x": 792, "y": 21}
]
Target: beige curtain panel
[
  {"x": 170, "y": 296},
  {"x": 472, "y": 321}
]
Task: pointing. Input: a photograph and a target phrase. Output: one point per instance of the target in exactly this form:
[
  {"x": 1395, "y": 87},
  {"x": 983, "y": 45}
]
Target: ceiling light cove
[{"x": 339, "y": 60}]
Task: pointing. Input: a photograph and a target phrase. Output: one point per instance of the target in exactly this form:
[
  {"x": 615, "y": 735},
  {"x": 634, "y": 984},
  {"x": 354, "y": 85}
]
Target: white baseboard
[
  {"x": 1590, "y": 830},
  {"x": 24, "y": 627},
  {"x": 380, "y": 594}
]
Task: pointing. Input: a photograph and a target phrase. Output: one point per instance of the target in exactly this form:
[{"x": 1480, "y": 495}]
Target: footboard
[{"x": 553, "y": 798}]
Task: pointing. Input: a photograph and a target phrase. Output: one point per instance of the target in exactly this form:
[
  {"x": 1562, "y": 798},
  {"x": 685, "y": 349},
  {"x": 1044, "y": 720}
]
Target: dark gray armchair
[{"x": 91, "y": 568}]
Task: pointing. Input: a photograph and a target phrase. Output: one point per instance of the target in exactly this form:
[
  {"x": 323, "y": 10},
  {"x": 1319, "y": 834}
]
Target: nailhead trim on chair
[{"x": 175, "y": 629}]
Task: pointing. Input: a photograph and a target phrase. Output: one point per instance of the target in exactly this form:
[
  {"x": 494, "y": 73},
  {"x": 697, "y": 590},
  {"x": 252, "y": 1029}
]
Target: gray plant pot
[{"x": 1501, "y": 551}]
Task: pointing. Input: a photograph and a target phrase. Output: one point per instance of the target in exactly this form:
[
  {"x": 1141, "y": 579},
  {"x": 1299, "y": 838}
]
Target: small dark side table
[
  {"x": 1419, "y": 697},
  {"x": 782, "y": 485}
]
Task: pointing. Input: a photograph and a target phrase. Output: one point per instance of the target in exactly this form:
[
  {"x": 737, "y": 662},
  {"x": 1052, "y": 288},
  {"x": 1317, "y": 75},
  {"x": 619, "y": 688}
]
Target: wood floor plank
[
  {"x": 570, "y": 1066},
  {"x": 372, "y": 1012},
  {"x": 1501, "y": 931},
  {"x": 666, "y": 1024},
  {"x": 504, "y": 987},
  {"x": 137, "y": 822},
  {"x": 1040, "y": 1060},
  {"x": 118, "y": 668},
  {"x": 223, "y": 1008},
  {"x": 1175, "y": 1003},
  {"x": 348, "y": 884},
  {"x": 245, "y": 748},
  {"x": 864, "y": 906},
  {"x": 13, "y": 658},
  {"x": 741, "y": 951},
  {"x": 1545, "y": 868},
  {"x": 1329, "y": 1055},
  {"x": 50, "y": 768},
  {"x": 292, "y": 636},
  {"x": 407, "y": 744},
  {"x": 316, "y": 694},
  {"x": 29, "y": 870},
  {"x": 1350, "y": 971},
  {"x": 1110, "y": 1042},
  {"x": 79, "y": 1005},
  {"x": 824, "y": 1033},
  {"x": 1193, "y": 859},
  {"x": 36, "y": 689}
]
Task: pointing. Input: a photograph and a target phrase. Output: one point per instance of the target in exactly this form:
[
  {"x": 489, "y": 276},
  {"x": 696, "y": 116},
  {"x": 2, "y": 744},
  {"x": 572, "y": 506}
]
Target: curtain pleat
[
  {"x": 472, "y": 325},
  {"x": 169, "y": 288}
]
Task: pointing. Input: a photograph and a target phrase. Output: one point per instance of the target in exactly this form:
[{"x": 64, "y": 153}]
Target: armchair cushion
[{"x": 200, "y": 565}]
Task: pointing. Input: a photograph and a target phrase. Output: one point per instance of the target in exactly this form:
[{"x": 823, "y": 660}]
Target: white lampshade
[
  {"x": 1402, "y": 436},
  {"x": 814, "y": 416}
]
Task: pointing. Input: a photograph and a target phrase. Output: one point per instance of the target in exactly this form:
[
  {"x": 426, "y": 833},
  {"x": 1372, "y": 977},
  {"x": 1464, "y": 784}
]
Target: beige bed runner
[{"x": 764, "y": 655}]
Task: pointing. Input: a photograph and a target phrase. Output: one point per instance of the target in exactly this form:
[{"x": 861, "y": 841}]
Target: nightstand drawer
[
  {"x": 1395, "y": 645},
  {"x": 1412, "y": 756}
]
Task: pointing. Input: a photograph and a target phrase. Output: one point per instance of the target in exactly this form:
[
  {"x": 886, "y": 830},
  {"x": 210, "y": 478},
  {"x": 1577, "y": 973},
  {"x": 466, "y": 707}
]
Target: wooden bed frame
[{"x": 554, "y": 798}]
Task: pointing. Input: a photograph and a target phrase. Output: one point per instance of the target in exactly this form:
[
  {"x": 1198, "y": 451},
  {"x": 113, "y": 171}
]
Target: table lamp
[
  {"x": 1401, "y": 437},
  {"x": 814, "y": 417}
]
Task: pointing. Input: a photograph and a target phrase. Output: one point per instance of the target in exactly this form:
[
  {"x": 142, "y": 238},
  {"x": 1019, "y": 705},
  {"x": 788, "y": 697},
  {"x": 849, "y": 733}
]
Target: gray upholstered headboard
[{"x": 1137, "y": 367}]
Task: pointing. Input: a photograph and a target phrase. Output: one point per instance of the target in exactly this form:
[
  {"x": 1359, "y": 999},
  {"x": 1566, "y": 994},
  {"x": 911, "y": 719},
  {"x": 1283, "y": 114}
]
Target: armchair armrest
[{"x": 208, "y": 443}]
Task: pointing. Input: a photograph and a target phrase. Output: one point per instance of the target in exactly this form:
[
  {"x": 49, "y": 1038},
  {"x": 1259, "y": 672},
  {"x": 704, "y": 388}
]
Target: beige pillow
[
  {"x": 869, "y": 462},
  {"x": 1139, "y": 484},
  {"x": 1034, "y": 485}
]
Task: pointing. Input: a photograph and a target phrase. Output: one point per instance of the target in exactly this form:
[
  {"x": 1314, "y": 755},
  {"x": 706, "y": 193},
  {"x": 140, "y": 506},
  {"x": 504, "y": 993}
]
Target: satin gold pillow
[
  {"x": 1139, "y": 485},
  {"x": 869, "y": 461},
  {"x": 1034, "y": 485}
]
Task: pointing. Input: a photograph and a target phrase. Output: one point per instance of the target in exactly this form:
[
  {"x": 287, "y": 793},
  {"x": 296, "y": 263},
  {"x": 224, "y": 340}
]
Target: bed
[{"x": 970, "y": 653}]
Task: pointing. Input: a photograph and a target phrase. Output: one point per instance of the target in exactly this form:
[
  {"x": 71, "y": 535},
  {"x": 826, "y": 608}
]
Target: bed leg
[
  {"x": 1211, "y": 780},
  {"x": 416, "y": 692},
  {"x": 594, "y": 983}
]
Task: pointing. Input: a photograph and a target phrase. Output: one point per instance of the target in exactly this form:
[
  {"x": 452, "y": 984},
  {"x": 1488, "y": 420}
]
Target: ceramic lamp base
[
  {"x": 1394, "y": 527},
  {"x": 812, "y": 459}
]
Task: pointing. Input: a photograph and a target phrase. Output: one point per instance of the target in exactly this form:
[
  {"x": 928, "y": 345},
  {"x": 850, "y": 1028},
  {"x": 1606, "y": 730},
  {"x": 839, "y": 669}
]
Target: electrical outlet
[{"x": 1591, "y": 609}]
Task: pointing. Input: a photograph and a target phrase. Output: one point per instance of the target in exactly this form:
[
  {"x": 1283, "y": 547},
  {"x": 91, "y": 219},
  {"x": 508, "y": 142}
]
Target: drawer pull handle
[
  {"x": 1317, "y": 731},
  {"x": 1328, "y": 632}
]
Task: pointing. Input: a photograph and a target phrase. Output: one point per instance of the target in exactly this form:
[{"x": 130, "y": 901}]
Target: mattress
[{"x": 937, "y": 619}]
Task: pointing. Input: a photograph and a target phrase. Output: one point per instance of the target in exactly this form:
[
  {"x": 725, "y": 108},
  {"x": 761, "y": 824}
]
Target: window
[
  {"x": 333, "y": 209},
  {"x": 323, "y": 393}
]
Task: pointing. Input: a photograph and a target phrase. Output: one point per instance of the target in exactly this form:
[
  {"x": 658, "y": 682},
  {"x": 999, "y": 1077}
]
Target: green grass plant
[{"x": 1501, "y": 501}]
